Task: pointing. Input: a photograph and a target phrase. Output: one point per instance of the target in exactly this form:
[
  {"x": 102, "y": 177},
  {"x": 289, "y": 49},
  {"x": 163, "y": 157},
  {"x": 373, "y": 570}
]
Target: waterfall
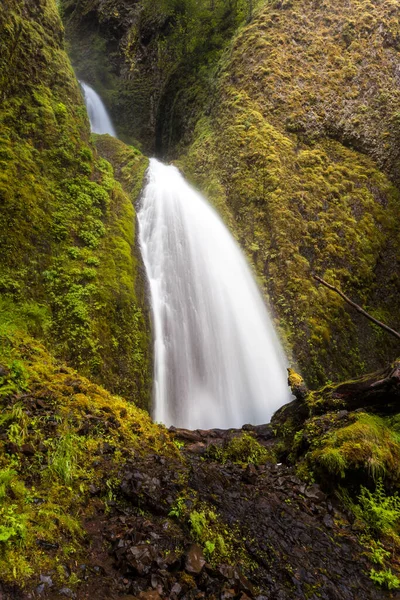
[
  {"x": 218, "y": 360},
  {"x": 100, "y": 122}
]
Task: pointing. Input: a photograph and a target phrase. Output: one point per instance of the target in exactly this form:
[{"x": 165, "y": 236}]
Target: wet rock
[
  {"x": 94, "y": 490},
  {"x": 262, "y": 432},
  {"x": 47, "y": 580},
  {"x": 245, "y": 584},
  {"x": 176, "y": 589},
  {"x": 195, "y": 560},
  {"x": 197, "y": 448},
  {"x": 315, "y": 493},
  {"x": 328, "y": 521},
  {"x": 250, "y": 475},
  {"x": 141, "y": 558},
  {"x": 186, "y": 434}
]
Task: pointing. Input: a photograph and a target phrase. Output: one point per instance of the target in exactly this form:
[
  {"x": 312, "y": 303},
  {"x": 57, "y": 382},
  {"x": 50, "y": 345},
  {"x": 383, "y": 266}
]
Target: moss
[
  {"x": 53, "y": 425},
  {"x": 360, "y": 448},
  {"x": 244, "y": 449},
  {"x": 69, "y": 229},
  {"x": 299, "y": 200}
]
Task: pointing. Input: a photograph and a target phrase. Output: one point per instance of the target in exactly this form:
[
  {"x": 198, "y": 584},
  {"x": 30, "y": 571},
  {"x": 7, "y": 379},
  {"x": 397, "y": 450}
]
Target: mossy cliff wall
[
  {"x": 151, "y": 60},
  {"x": 68, "y": 266},
  {"x": 299, "y": 143},
  {"x": 293, "y": 134}
]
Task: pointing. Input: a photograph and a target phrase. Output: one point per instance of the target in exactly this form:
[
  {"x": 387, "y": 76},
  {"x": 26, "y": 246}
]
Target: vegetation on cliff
[
  {"x": 68, "y": 262},
  {"x": 291, "y": 131},
  {"x": 148, "y": 59},
  {"x": 297, "y": 144}
]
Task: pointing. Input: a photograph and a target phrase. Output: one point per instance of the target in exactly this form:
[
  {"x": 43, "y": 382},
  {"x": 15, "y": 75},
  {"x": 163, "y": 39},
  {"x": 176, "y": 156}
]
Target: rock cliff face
[
  {"x": 299, "y": 143},
  {"x": 68, "y": 267},
  {"x": 293, "y": 134}
]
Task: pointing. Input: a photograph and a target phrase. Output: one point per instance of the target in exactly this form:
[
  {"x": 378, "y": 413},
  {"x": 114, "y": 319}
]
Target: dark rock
[
  {"x": 245, "y": 584},
  {"x": 11, "y": 448},
  {"x": 328, "y": 521},
  {"x": 195, "y": 560},
  {"x": 28, "y": 450},
  {"x": 47, "y": 545},
  {"x": 264, "y": 432},
  {"x": 176, "y": 589},
  {"x": 46, "y": 579},
  {"x": 141, "y": 558},
  {"x": 197, "y": 448},
  {"x": 94, "y": 490},
  {"x": 250, "y": 475},
  {"x": 185, "y": 434},
  {"x": 40, "y": 589},
  {"x": 65, "y": 591},
  {"x": 314, "y": 492},
  {"x": 99, "y": 570}
]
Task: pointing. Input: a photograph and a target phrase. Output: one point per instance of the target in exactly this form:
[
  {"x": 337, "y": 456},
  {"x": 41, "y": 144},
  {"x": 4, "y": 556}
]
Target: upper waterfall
[
  {"x": 218, "y": 360},
  {"x": 100, "y": 122}
]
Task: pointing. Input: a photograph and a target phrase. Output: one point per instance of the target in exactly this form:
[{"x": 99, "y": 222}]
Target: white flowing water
[
  {"x": 218, "y": 360},
  {"x": 100, "y": 122}
]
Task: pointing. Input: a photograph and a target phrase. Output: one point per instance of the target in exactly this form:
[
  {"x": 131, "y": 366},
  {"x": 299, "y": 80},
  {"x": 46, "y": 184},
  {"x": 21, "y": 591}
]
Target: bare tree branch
[{"x": 357, "y": 307}]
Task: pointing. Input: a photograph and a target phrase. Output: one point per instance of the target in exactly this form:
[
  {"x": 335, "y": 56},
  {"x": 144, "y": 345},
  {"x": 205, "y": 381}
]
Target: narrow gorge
[{"x": 186, "y": 412}]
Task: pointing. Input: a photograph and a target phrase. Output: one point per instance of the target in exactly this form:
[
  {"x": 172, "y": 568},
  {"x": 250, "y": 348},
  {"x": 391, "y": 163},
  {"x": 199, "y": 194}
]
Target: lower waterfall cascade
[{"x": 218, "y": 360}]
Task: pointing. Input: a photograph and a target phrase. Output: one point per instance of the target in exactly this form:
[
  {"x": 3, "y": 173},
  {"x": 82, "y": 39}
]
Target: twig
[{"x": 357, "y": 307}]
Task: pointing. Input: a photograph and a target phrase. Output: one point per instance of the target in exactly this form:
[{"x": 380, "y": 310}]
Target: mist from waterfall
[
  {"x": 218, "y": 360},
  {"x": 100, "y": 122}
]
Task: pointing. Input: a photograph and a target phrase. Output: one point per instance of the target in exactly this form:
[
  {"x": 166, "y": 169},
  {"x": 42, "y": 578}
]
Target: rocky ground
[{"x": 287, "y": 540}]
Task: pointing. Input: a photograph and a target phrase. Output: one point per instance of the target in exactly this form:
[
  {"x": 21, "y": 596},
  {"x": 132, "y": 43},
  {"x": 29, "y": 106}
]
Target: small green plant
[
  {"x": 178, "y": 508},
  {"x": 198, "y": 523},
  {"x": 63, "y": 457},
  {"x": 379, "y": 554},
  {"x": 12, "y": 524},
  {"x": 379, "y": 511},
  {"x": 179, "y": 444},
  {"x": 209, "y": 549},
  {"x": 385, "y": 579}
]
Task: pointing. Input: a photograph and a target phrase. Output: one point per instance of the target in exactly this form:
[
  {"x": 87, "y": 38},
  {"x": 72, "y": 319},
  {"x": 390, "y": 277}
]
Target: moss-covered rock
[
  {"x": 300, "y": 194},
  {"x": 68, "y": 254},
  {"x": 63, "y": 442}
]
